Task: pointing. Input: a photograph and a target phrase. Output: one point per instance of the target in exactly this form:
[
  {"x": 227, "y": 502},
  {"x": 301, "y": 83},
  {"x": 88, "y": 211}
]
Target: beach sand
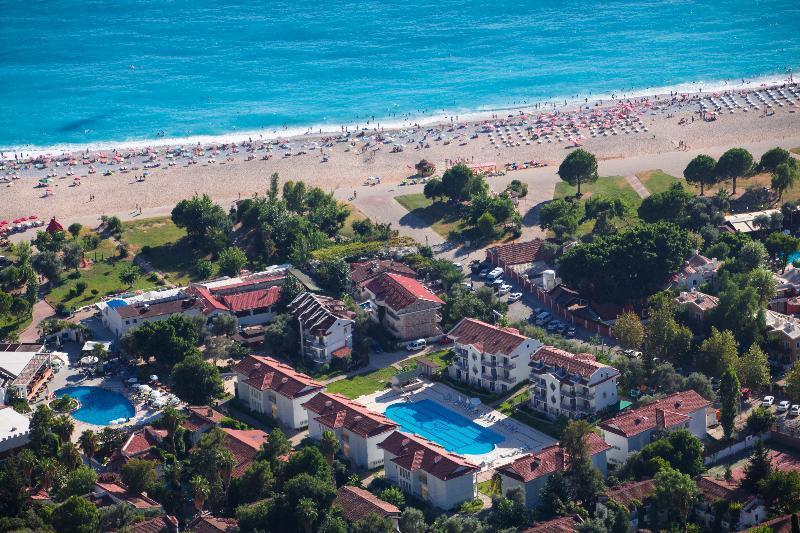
[{"x": 346, "y": 170}]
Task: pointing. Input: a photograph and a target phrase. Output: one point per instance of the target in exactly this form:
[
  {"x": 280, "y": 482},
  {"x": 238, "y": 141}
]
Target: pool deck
[{"x": 519, "y": 438}]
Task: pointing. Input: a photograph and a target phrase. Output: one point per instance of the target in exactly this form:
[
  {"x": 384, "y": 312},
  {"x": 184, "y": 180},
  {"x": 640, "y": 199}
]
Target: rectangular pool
[{"x": 441, "y": 425}]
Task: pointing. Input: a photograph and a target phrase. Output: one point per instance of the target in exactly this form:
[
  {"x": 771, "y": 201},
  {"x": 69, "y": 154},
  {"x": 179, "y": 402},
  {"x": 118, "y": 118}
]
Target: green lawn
[
  {"x": 795, "y": 150},
  {"x": 657, "y": 181},
  {"x": 536, "y": 421},
  {"x": 609, "y": 186},
  {"x": 442, "y": 357},
  {"x": 486, "y": 487},
  {"x": 354, "y": 216},
  {"x": 361, "y": 385},
  {"x": 103, "y": 276},
  {"x": 441, "y": 218},
  {"x": 167, "y": 249},
  {"x": 11, "y": 326}
]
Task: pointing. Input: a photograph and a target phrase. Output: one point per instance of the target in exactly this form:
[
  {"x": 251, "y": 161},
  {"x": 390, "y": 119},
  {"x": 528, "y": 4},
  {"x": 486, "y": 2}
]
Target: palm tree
[
  {"x": 28, "y": 462},
  {"x": 63, "y": 426},
  {"x": 200, "y": 490},
  {"x": 69, "y": 455},
  {"x": 89, "y": 443},
  {"x": 784, "y": 178},
  {"x": 171, "y": 420},
  {"x": 49, "y": 469},
  {"x": 328, "y": 445},
  {"x": 307, "y": 513},
  {"x": 226, "y": 463}
]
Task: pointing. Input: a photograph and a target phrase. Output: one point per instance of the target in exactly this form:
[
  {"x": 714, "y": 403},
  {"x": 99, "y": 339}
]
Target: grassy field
[
  {"x": 442, "y": 220},
  {"x": 657, "y": 181},
  {"x": 795, "y": 150},
  {"x": 11, "y": 326},
  {"x": 354, "y": 216},
  {"x": 102, "y": 276},
  {"x": 609, "y": 186},
  {"x": 361, "y": 385},
  {"x": 167, "y": 249}
]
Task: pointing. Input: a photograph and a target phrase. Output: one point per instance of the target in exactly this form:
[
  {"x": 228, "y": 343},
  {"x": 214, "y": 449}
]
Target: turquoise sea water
[
  {"x": 437, "y": 423},
  {"x": 98, "y": 406},
  {"x": 217, "y": 67}
]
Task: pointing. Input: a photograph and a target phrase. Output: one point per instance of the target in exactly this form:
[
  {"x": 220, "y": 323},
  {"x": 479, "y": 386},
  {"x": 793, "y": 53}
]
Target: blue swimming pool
[
  {"x": 98, "y": 406},
  {"x": 439, "y": 424}
]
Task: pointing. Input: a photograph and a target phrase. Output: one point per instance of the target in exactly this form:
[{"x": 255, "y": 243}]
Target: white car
[
  {"x": 768, "y": 401},
  {"x": 514, "y": 297},
  {"x": 794, "y": 410},
  {"x": 504, "y": 288},
  {"x": 418, "y": 344},
  {"x": 783, "y": 406}
]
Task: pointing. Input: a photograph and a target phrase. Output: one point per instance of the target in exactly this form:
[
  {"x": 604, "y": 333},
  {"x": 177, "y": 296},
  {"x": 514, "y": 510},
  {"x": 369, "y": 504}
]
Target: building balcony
[
  {"x": 507, "y": 379},
  {"x": 461, "y": 364}
]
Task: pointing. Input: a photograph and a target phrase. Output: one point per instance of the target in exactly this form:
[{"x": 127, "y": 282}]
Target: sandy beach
[{"x": 668, "y": 133}]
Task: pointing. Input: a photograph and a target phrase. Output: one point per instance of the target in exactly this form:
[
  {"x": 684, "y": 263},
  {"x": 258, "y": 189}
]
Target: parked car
[
  {"x": 783, "y": 406},
  {"x": 768, "y": 401},
  {"x": 514, "y": 297},
  {"x": 494, "y": 274},
  {"x": 563, "y": 328},
  {"x": 504, "y": 288},
  {"x": 497, "y": 283},
  {"x": 445, "y": 340},
  {"x": 418, "y": 344},
  {"x": 458, "y": 265},
  {"x": 553, "y": 326},
  {"x": 468, "y": 285},
  {"x": 794, "y": 410},
  {"x": 537, "y": 311},
  {"x": 571, "y": 332}
]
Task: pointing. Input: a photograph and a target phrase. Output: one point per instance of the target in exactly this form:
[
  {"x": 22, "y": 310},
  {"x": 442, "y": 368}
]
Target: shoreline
[{"x": 691, "y": 90}]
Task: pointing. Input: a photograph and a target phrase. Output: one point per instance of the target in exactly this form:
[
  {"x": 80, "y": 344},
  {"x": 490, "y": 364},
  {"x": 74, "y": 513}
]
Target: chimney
[
  {"x": 660, "y": 422},
  {"x": 173, "y": 523},
  {"x": 535, "y": 463},
  {"x": 210, "y": 412}
]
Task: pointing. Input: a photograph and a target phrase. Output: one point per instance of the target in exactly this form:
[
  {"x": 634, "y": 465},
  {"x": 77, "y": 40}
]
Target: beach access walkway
[{"x": 637, "y": 185}]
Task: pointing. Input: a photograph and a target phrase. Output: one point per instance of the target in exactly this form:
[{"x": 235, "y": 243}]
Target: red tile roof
[
  {"x": 565, "y": 524},
  {"x": 360, "y": 272},
  {"x": 142, "y": 440},
  {"x": 583, "y": 365},
  {"x": 118, "y": 491},
  {"x": 486, "y": 337},
  {"x": 547, "y": 461},
  {"x": 244, "y": 445},
  {"x": 337, "y": 411},
  {"x": 266, "y": 373},
  {"x": 399, "y": 292},
  {"x": 159, "y": 524},
  {"x": 519, "y": 252},
  {"x": 634, "y": 491},
  {"x": 780, "y": 524},
  {"x": 713, "y": 489},
  {"x": 200, "y": 416},
  {"x": 244, "y": 301},
  {"x": 412, "y": 452},
  {"x": 356, "y": 503},
  {"x": 675, "y": 407},
  {"x": 205, "y": 523}
]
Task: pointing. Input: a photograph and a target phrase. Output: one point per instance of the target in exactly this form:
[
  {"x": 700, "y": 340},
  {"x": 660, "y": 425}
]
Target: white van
[
  {"x": 418, "y": 344},
  {"x": 494, "y": 274}
]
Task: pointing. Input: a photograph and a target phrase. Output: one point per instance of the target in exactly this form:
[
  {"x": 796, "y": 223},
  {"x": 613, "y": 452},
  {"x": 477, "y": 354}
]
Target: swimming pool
[
  {"x": 98, "y": 406},
  {"x": 439, "y": 424}
]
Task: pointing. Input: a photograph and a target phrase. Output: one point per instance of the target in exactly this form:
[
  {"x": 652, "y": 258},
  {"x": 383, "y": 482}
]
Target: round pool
[{"x": 98, "y": 406}]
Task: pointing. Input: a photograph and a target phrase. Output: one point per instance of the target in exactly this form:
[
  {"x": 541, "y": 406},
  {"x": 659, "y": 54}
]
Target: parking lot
[{"x": 520, "y": 310}]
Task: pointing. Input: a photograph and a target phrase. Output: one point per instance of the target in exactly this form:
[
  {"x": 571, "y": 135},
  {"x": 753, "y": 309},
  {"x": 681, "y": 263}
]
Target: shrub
[
  {"x": 95, "y": 292},
  {"x": 146, "y": 249},
  {"x": 74, "y": 274},
  {"x": 123, "y": 250},
  {"x": 203, "y": 269},
  {"x": 81, "y": 286},
  {"x": 62, "y": 309}
]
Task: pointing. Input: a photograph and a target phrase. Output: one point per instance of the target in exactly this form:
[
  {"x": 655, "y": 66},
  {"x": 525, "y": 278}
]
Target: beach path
[{"x": 637, "y": 185}]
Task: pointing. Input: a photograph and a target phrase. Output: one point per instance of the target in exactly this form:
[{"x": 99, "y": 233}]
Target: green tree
[
  {"x": 231, "y": 261},
  {"x": 74, "y": 229},
  {"x": 702, "y": 170},
  {"x": 129, "y": 273},
  {"x": 77, "y": 482},
  {"x": 394, "y": 496},
  {"x": 196, "y": 381},
  {"x": 412, "y": 520},
  {"x": 577, "y": 168},
  {"x": 752, "y": 368},
  {"x": 757, "y": 468},
  {"x": 793, "y": 381},
  {"x": 561, "y": 216},
  {"x": 171, "y": 420},
  {"x": 72, "y": 255},
  {"x": 307, "y": 513},
  {"x": 224, "y": 325},
  {"x": 76, "y": 515},
  {"x": 760, "y": 420},
  {"x": 701, "y": 385},
  {"x": 63, "y": 426},
  {"x": 200, "y": 489},
  {"x": 373, "y": 523},
  {"x": 785, "y": 177},
  {"x": 169, "y": 341},
  {"x": 328, "y": 445},
  {"x": 255, "y": 484},
  {"x": 719, "y": 351},
  {"x": 735, "y": 163},
  {"x": 294, "y": 194},
  {"x": 679, "y": 450},
  {"x": 751, "y": 256},
  {"x": 49, "y": 265},
  {"x": 139, "y": 475},
  {"x": 277, "y": 445},
  {"x": 486, "y": 224},
  {"x": 207, "y": 224},
  {"x": 41, "y": 427},
  {"x": 772, "y": 158},
  {"x": 433, "y": 189},
  {"x": 585, "y": 480},
  {"x": 781, "y": 491},
  {"x": 729, "y": 394},
  {"x": 629, "y": 331},
  {"x": 69, "y": 455},
  {"x": 780, "y": 247},
  {"x": 675, "y": 494},
  {"x": 455, "y": 181},
  {"x": 665, "y": 338}
]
